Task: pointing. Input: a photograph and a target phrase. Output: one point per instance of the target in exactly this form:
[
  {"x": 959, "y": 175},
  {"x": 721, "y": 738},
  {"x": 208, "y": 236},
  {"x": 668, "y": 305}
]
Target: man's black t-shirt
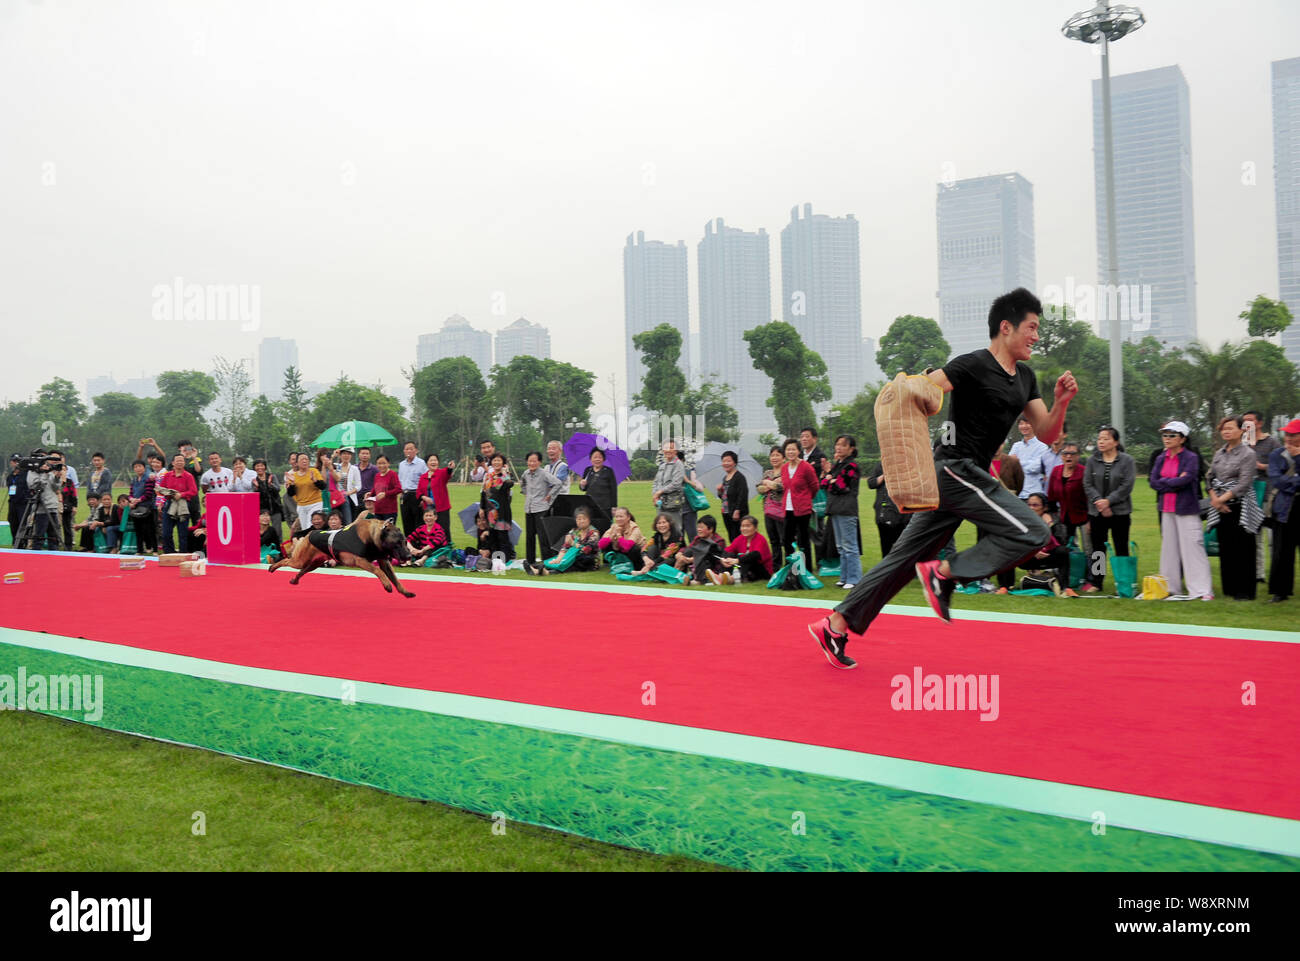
[{"x": 986, "y": 402}]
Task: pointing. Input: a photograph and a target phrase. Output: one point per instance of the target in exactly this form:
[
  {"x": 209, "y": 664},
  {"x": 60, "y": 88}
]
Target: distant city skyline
[
  {"x": 655, "y": 291},
  {"x": 512, "y": 199},
  {"x": 275, "y": 355}
]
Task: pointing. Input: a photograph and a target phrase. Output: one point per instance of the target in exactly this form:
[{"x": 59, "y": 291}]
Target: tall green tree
[
  {"x": 348, "y": 400},
  {"x": 664, "y": 384},
  {"x": 710, "y": 401},
  {"x": 178, "y": 411},
  {"x": 451, "y": 399},
  {"x": 1265, "y": 317},
  {"x": 59, "y": 401},
  {"x": 116, "y": 426},
  {"x": 798, "y": 374},
  {"x": 292, "y": 406},
  {"x": 265, "y": 434},
  {"x": 547, "y": 394},
  {"x": 911, "y": 344},
  {"x": 857, "y": 418},
  {"x": 234, "y": 402}
]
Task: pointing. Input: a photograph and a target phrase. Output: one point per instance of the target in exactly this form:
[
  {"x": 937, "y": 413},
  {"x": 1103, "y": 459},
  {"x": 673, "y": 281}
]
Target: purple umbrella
[{"x": 577, "y": 454}]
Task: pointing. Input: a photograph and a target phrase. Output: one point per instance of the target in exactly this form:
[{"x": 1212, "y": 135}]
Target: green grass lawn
[{"x": 101, "y": 801}]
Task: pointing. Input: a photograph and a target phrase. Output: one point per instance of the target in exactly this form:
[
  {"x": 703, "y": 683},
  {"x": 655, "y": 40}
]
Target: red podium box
[{"x": 233, "y": 528}]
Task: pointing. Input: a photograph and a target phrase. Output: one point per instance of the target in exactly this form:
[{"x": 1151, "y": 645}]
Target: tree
[
  {"x": 664, "y": 385},
  {"x": 348, "y": 400},
  {"x": 452, "y": 400},
  {"x": 116, "y": 426},
  {"x": 798, "y": 374},
  {"x": 1265, "y": 317},
  {"x": 265, "y": 434},
  {"x": 857, "y": 418},
  {"x": 178, "y": 411},
  {"x": 293, "y": 405},
  {"x": 548, "y": 394},
  {"x": 911, "y": 344},
  {"x": 234, "y": 403},
  {"x": 710, "y": 401},
  {"x": 59, "y": 401}
]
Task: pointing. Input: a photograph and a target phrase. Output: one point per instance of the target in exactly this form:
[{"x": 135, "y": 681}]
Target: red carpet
[{"x": 1152, "y": 714}]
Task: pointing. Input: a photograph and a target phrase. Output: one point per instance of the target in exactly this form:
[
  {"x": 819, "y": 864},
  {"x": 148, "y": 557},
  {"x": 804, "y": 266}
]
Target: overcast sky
[{"x": 375, "y": 167}]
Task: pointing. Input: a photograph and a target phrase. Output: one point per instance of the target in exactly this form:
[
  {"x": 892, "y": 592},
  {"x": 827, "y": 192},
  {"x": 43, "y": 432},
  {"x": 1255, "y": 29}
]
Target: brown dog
[{"x": 367, "y": 544}]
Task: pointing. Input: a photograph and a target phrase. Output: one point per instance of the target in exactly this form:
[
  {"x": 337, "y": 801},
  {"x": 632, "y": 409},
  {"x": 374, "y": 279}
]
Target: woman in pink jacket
[
  {"x": 432, "y": 492},
  {"x": 801, "y": 485}
]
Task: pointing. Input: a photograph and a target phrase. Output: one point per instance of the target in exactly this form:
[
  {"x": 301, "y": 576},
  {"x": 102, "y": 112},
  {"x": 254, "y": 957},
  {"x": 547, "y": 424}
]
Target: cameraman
[
  {"x": 44, "y": 490},
  {"x": 16, "y": 484}
]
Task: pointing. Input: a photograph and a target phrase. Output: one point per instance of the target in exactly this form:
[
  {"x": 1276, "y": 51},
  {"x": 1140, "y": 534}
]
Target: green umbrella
[{"x": 354, "y": 433}]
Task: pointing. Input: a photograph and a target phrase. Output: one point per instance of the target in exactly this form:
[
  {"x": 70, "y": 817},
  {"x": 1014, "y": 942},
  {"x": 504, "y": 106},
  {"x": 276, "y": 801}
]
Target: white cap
[{"x": 1177, "y": 425}]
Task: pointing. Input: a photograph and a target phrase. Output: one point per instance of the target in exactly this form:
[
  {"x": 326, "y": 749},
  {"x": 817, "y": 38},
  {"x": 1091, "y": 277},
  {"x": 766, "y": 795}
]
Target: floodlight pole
[
  {"x": 1102, "y": 24},
  {"x": 1112, "y": 257}
]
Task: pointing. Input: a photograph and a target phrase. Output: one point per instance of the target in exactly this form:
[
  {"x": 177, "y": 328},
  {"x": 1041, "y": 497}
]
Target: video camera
[{"x": 39, "y": 460}]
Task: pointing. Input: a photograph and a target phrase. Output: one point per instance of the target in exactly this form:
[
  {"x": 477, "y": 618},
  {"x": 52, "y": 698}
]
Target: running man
[{"x": 990, "y": 390}]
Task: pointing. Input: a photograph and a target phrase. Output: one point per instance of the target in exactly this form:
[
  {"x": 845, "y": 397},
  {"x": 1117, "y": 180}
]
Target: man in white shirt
[
  {"x": 409, "y": 469},
  {"x": 243, "y": 480},
  {"x": 1031, "y": 451},
  {"x": 1052, "y": 459},
  {"x": 216, "y": 479},
  {"x": 555, "y": 465}
]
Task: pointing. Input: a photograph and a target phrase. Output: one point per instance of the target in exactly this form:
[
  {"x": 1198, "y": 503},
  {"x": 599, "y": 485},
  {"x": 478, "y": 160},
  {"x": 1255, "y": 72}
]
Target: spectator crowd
[{"x": 1235, "y": 501}]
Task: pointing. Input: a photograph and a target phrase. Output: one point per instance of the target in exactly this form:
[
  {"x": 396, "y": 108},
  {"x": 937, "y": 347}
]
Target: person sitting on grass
[
  {"x": 664, "y": 545},
  {"x": 485, "y": 537},
  {"x": 426, "y": 538},
  {"x": 624, "y": 537},
  {"x": 579, "y": 552},
  {"x": 114, "y": 529},
  {"x": 1054, "y": 556},
  {"x": 705, "y": 551},
  {"x": 96, "y": 519},
  {"x": 199, "y": 534},
  {"x": 269, "y": 537},
  {"x": 749, "y": 558}
]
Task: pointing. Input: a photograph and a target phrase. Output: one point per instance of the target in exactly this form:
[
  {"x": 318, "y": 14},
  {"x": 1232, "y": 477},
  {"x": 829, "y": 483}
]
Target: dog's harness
[{"x": 350, "y": 541}]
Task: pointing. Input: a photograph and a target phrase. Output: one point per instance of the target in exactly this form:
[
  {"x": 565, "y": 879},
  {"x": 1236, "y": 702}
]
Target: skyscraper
[
  {"x": 735, "y": 296},
  {"x": 986, "y": 248},
  {"x": 456, "y": 339},
  {"x": 1151, "y": 127},
  {"x": 821, "y": 287},
  {"x": 274, "y": 357},
  {"x": 654, "y": 293},
  {"x": 522, "y": 337},
  {"x": 1286, "y": 180}
]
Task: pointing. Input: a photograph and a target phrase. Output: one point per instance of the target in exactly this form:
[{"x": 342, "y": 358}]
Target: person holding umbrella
[
  {"x": 599, "y": 483},
  {"x": 733, "y": 491}
]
